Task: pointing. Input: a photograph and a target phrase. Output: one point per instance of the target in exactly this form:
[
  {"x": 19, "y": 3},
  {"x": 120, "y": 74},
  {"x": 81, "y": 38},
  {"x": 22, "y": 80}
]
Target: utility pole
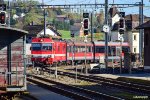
[
  {"x": 91, "y": 27},
  {"x": 44, "y": 18},
  {"x": 106, "y": 34},
  {"x": 9, "y": 11},
  {"x": 141, "y": 19},
  {"x": 44, "y": 22}
]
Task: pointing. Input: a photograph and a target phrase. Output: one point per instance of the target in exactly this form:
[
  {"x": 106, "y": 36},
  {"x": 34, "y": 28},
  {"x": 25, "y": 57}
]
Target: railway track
[
  {"x": 69, "y": 90},
  {"x": 108, "y": 82}
]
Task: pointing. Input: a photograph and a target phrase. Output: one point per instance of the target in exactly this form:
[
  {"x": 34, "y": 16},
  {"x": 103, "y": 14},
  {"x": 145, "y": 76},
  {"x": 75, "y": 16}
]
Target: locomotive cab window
[
  {"x": 36, "y": 46},
  {"x": 47, "y": 46}
]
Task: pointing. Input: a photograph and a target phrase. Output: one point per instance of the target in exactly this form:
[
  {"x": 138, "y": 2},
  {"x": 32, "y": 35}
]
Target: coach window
[
  {"x": 125, "y": 49},
  {"x": 113, "y": 50},
  {"x": 68, "y": 48},
  {"x": 89, "y": 49},
  {"x": 82, "y": 48},
  {"x": 100, "y": 49},
  {"x": 78, "y": 48}
]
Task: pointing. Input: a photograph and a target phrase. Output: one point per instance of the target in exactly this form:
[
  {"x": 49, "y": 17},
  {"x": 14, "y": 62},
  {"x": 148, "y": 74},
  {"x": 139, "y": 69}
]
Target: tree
[
  {"x": 31, "y": 13},
  {"x": 32, "y": 16},
  {"x": 100, "y": 20}
]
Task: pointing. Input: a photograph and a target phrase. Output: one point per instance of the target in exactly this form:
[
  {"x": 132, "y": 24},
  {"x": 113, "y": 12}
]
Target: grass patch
[
  {"x": 65, "y": 34},
  {"x": 137, "y": 81}
]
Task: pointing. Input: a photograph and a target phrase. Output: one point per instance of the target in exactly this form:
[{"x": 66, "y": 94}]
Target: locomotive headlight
[
  {"x": 52, "y": 56},
  {"x": 41, "y": 40}
]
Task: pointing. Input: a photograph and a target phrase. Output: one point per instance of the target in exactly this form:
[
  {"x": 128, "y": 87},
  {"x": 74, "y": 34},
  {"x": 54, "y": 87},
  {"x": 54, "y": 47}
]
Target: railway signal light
[
  {"x": 72, "y": 35},
  {"x": 122, "y": 14},
  {"x": 121, "y": 26},
  {"x": 2, "y": 18},
  {"x": 86, "y": 23},
  {"x": 85, "y": 15},
  {"x": 85, "y": 32}
]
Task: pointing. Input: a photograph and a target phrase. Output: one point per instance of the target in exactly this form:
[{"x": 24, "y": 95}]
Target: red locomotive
[{"x": 50, "y": 51}]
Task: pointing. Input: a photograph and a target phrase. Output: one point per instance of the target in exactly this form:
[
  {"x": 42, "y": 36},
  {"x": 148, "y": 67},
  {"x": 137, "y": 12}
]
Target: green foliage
[
  {"x": 65, "y": 34},
  {"x": 32, "y": 16},
  {"x": 61, "y": 25},
  {"x": 98, "y": 36},
  {"x": 71, "y": 22}
]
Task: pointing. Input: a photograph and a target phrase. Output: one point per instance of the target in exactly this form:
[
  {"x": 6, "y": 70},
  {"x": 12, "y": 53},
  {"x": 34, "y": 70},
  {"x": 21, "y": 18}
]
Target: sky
[{"x": 131, "y": 10}]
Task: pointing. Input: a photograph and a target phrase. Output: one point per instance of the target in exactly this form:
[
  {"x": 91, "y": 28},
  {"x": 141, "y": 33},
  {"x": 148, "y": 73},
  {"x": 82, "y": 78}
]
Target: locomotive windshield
[
  {"x": 47, "y": 46},
  {"x": 36, "y": 46},
  {"x": 41, "y": 46}
]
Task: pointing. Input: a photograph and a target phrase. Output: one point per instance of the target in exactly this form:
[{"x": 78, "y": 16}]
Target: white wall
[
  {"x": 115, "y": 19},
  {"x": 28, "y": 51},
  {"x": 48, "y": 31},
  {"x": 135, "y": 42}
]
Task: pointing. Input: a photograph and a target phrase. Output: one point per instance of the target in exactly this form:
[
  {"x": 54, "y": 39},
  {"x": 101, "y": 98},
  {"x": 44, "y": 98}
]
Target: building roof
[
  {"x": 113, "y": 11},
  {"x": 135, "y": 17},
  {"x": 144, "y": 25},
  {"x": 13, "y": 30},
  {"x": 35, "y": 29}
]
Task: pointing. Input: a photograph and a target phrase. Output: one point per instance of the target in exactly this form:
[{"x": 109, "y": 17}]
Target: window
[
  {"x": 69, "y": 49},
  {"x": 134, "y": 37},
  {"x": 36, "y": 46},
  {"x": 100, "y": 49},
  {"x": 46, "y": 46},
  {"x": 113, "y": 50},
  {"x": 82, "y": 48},
  {"x": 134, "y": 50},
  {"x": 117, "y": 51},
  {"x": 125, "y": 49},
  {"x": 89, "y": 49}
]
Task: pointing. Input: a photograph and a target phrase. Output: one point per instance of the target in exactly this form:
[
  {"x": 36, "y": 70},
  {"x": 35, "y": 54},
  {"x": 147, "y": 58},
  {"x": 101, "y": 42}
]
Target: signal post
[
  {"x": 3, "y": 14},
  {"x": 86, "y": 30},
  {"x": 73, "y": 55},
  {"x": 121, "y": 31}
]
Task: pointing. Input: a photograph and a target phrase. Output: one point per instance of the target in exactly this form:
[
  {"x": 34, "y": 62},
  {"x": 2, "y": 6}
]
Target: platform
[
  {"x": 143, "y": 76},
  {"x": 43, "y": 94}
]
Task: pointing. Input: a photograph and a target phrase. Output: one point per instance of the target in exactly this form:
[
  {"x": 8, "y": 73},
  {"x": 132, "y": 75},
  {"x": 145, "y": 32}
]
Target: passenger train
[{"x": 49, "y": 51}]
